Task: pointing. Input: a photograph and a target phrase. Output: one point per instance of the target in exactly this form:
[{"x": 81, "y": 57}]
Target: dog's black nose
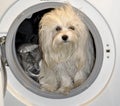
[{"x": 64, "y": 37}]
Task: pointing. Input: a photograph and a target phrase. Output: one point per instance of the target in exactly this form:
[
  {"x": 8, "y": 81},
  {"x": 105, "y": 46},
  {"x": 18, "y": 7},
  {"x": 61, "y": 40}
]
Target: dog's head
[{"x": 61, "y": 31}]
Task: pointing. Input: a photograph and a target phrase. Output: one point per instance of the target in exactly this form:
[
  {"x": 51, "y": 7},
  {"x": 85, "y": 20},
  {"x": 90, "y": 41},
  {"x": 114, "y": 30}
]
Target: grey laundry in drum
[{"x": 29, "y": 57}]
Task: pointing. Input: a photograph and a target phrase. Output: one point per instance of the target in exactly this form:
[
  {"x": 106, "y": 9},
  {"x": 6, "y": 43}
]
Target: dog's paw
[
  {"x": 77, "y": 83},
  {"x": 79, "y": 78},
  {"x": 64, "y": 90},
  {"x": 47, "y": 87}
]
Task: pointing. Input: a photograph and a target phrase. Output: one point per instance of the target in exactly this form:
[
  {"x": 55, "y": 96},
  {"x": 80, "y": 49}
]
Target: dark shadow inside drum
[{"x": 26, "y": 40}]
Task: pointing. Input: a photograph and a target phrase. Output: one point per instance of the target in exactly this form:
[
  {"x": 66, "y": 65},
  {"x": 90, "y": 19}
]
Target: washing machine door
[
  {"x": 20, "y": 85},
  {"x": 3, "y": 77}
]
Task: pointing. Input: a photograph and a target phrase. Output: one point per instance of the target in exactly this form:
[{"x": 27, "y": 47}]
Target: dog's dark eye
[
  {"x": 71, "y": 27},
  {"x": 58, "y": 28}
]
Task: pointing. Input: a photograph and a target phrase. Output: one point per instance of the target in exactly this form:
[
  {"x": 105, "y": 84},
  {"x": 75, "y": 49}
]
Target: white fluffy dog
[{"x": 67, "y": 48}]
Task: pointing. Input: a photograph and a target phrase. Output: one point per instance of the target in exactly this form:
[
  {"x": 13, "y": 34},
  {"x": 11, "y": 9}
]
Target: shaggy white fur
[{"x": 67, "y": 48}]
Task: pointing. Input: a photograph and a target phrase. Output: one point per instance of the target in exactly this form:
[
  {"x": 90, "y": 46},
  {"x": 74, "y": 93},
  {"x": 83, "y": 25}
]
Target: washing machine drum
[{"x": 21, "y": 49}]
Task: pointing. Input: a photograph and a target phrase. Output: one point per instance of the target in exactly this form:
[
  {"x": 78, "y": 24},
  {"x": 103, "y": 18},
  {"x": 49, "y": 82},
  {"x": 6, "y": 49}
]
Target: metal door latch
[
  {"x": 3, "y": 79},
  {"x": 2, "y": 40},
  {"x": 2, "y": 49}
]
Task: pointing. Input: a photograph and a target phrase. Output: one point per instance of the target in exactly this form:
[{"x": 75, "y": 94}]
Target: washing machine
[{"x": 102, "y": 86}]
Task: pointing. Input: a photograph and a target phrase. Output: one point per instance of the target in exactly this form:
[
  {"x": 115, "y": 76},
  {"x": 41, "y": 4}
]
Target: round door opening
[{"x": 25, "y": 53}]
